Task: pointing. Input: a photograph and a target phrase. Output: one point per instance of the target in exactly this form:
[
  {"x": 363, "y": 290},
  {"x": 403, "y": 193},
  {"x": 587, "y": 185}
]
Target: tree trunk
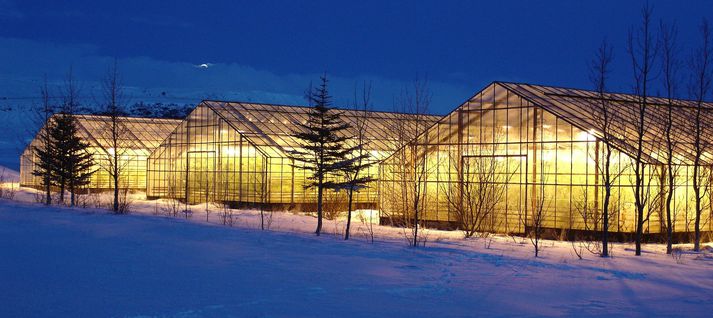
[
  {"x": 349, "y": 214},
  {"x": 48, "y": 191},
  {"x": 116, "y": 183},
  {"x": 639, "y": 204},
  {"x": 262, "y": 218},
  {"x": 319, "y": 207},
  {"x": 605, "y": 226},
  {"x": 669, "y": 221},
  {"x": 697, "y": 224},
  {"x": 639, "y": 232},
  {"x": 61, "y": 191},
  {"x": 607, "y": 197},
  {"x": 697, "y": 193},
  {"x": 537, "y": 240},
  {"x": 415, "y": 217},
  {"x": 71, "y": 194}
]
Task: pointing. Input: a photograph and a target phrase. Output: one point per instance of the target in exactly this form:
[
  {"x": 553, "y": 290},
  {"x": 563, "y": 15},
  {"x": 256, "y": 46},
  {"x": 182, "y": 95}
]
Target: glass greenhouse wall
[
  {"x": 238, "y": 153},
  {"x": 513, "y": 149},
  {"x": 138, "y": 137}
]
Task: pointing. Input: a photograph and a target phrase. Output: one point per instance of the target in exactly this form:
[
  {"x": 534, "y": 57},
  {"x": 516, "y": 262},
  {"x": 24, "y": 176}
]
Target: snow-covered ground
[{"x": 78, "y": 262}]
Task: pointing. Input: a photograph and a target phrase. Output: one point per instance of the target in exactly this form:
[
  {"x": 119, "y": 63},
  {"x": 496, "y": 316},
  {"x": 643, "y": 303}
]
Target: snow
[{"x": 64, "y": 262}]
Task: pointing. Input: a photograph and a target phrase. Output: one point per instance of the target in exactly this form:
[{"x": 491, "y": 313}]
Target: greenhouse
[
  {"x": 237, "y": 153},
  {"x": 516, "y": 149},
  {"x": 137, "y": 138}
]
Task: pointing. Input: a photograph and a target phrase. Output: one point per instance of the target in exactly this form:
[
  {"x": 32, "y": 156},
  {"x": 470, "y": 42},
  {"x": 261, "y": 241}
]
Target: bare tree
[
  {"x": 643, "y": 48},
  {"x": 670, "y": 67},
  {"x": 477, "y": 193},
  {"x": 603, "y": 118},
  {"x": 411, "y": 166},
  {"x": 44, "y": 152},
  {"x": 540, "y": 206},
  {"x": 115, "y": 133},
  {"x": 702, "y": 75},
  {"x": 592, "y": 220},
  {"x": 357, "y": 162},
  {"x": 265, "y": 216}
]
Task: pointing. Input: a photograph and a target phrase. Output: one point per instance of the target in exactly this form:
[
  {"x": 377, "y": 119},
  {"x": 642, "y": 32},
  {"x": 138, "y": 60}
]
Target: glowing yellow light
[
  {"x": 586, "y": 136},
  {"x": 375, "y": 153},
  {"x": 548, "y": 156},
  {"x": 564, "y": 157},
  {"x": 230, "y": 151}
]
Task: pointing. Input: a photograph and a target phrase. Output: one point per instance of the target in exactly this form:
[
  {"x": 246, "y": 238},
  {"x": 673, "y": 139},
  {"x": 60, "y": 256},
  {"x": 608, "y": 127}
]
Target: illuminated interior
[
  {"x": 543, "y": 151},
  {"x": 540, "y": 145},
  {"x": 138, "y": 137},
  {"x": 238, "y": 153}
]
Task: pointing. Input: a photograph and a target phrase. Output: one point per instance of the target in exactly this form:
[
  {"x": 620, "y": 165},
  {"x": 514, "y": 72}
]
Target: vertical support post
[{"x": 240, "y": 169}]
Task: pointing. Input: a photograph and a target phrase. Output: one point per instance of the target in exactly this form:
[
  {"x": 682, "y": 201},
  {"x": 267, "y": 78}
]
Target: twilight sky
[{"x": 269, "y": 51}]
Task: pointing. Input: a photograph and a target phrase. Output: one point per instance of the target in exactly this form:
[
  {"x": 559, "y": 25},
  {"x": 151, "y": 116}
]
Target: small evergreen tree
[
  {"x": 46, "y": 164},
  {"x": 321, "y": 140},
  {"x": 73, "y": 162}
]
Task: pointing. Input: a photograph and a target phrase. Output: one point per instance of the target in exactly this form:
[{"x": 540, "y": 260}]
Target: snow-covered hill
[{"x": 60, "y": 262}]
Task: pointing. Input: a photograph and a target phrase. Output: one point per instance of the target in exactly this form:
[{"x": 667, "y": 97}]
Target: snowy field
[{"x": 62, "y": 262}]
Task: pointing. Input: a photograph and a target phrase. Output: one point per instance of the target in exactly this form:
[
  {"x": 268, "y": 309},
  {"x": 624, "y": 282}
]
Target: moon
[{"x": 204, "y": 65}]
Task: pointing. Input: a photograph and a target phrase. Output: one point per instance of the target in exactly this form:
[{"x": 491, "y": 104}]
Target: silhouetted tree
[
  {"x": 115, "y": 132},
  {"x": 321, "y": 141},
  {"x": 599, "y": 74},
  {"x": 670, "y": 67},
  {"x": 357, "y": 162},
  {"x": 45, "y": 152},
  {"x": 642, "y": 47},
  {"x": 74, "y": 162},
  {"x": 701, "y": 78}
]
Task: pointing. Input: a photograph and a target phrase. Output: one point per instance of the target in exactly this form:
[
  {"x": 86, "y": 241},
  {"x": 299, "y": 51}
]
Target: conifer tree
[
  {"x": 58, "y": 132},
  {"x": 73, "y": 162},
  {"x": 321, "y": 139},
  {"x": 46, "y": 164}
]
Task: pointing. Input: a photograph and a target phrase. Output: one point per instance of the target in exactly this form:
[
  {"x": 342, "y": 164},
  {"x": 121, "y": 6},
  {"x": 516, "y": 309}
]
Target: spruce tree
[
  {"x": 73, "y": 167},
  {"x": 321, "y": 139},
  {"x": 46, "y": 164}
]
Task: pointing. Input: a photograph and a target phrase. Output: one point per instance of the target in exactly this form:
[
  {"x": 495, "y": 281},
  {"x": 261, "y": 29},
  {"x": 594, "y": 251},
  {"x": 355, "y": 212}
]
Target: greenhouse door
[
  {"x": 497, "y": 183},
  {"x": 200, "y": 174}
]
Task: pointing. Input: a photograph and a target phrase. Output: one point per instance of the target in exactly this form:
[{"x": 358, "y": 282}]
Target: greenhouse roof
[
  {"x": 583, "y": 109},
  {"x": 271, "y": 127},
  {"x": 139, "y": 133}
]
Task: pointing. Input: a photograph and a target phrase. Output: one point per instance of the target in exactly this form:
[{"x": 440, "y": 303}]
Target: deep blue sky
[{"x": 270, "y": 50}]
